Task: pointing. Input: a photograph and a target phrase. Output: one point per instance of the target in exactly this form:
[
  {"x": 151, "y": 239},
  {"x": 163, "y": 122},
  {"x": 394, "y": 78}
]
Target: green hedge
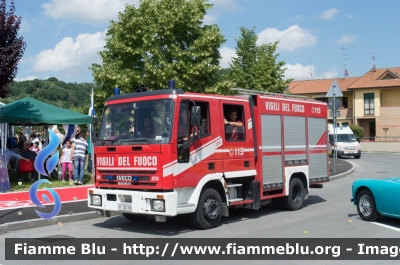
[{"x": 357, "y": 130}]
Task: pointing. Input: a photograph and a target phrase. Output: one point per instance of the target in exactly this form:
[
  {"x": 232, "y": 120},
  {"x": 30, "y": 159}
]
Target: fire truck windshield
[{"x": 146, "y": 122}]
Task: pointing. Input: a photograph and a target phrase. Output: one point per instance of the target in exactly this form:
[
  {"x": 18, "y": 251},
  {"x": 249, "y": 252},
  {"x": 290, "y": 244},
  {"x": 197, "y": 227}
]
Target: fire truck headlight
[
  {"x": 95, "y": 200},
  {"x": 157, "y": 205}
]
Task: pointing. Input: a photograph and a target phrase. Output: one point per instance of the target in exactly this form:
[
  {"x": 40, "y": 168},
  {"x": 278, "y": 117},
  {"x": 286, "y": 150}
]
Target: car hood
[
  {"x": 360, "y": 182},
  {"x": 394, "y": 179}
]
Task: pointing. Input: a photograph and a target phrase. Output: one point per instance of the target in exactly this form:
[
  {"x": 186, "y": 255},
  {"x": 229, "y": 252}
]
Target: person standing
[
  {"x": 89, "y": 151},
  {"x": 79, "y": 147},
  {"x": 59, "y": 135},
  {"x": 34, "y": 138},
  {"x": 60, "y": 147},
  {"x": 66, "y": 160},
  {"x": 21, "y": 140}
]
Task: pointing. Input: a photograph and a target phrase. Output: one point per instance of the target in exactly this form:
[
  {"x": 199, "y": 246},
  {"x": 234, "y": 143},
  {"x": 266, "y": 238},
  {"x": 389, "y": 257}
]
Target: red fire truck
[{"x": 167, "y": 152}]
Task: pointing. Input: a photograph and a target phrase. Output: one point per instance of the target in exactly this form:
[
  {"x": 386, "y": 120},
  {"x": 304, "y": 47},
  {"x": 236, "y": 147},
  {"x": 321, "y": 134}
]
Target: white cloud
[
  {"x": 26, "y": 78},
  {"x": 290, "y": 39},
  {"x": 333, "y": 73},
  {"x": 306, "y": 72},
  {"x": 227, "y": 54},
  {"x": 347, "y": 39},
  {"x": 350, "y": 16},
  {"x": 209, "y": 19},
  {"x": 329, "y": 14},
  {"x": 71, "y": 56},
  {"x": 298, "y": 71},
  {"x": 90, "y": 12}
]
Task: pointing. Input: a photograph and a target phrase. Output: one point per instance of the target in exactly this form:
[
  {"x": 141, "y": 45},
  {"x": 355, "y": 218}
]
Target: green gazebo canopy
[{"x": 30, "y": 111}]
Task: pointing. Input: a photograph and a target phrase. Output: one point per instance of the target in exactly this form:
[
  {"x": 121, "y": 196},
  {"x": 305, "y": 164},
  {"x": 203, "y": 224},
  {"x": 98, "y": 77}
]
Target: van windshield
[{"x": 346, "y": 138}]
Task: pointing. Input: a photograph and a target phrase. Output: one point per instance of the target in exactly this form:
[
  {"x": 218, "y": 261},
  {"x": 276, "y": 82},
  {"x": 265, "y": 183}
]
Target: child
[
  {"x": 66, "y": 161},
  {"x": 35, "y": 147}
]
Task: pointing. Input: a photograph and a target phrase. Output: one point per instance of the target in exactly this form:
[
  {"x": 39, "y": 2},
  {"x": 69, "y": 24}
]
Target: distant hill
[{"x": 66, "y": 95}]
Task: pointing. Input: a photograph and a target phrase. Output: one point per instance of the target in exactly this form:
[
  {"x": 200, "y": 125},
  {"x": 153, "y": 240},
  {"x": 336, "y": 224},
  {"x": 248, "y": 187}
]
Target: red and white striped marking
[{"x": 20, "y": 199}]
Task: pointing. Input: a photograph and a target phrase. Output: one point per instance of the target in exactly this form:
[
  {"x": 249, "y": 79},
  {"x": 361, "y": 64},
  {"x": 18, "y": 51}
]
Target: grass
[{"x": 55, "y": 182}]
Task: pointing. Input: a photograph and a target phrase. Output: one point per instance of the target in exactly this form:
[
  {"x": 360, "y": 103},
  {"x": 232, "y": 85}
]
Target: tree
[
  {"x": 255, "y": 67},
  {"x": 156, "y": 42},
  {"x": 357, "y": 130},
  {"x": 12, "y": 46}
]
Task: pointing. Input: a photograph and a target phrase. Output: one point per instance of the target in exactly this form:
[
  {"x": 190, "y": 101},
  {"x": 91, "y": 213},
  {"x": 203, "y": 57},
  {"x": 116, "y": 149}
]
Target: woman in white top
[
  {"x": 66, "y": 161},
  {"x": 34, "y": 139}
]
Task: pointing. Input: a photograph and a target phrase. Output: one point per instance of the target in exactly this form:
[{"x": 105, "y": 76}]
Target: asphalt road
[
  {"x": 327, "y": 213},
  {"x": 24, "y": 214},
  {"x": 28, "y": 213}
]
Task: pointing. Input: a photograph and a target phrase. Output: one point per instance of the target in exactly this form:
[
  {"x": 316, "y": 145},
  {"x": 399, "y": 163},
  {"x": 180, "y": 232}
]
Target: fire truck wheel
[
  {"x": 295, "y": 199},
  {"x": 208, "y": 212},
  {"x": 134, "y": 217}
]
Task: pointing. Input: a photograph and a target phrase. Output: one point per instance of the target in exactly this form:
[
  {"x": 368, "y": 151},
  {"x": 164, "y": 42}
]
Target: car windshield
[{"x": 140, "y": 122}]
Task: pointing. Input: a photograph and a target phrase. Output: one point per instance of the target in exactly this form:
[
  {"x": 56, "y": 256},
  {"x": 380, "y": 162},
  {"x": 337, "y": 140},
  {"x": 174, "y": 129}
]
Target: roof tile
[
  {"x": 372, "y": 79},
  {"x": 319, "y": 85}
]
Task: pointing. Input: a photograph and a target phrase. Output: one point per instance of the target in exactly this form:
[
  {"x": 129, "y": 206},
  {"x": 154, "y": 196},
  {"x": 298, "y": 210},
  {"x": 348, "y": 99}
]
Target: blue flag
[{"x": 91, "y": 109}]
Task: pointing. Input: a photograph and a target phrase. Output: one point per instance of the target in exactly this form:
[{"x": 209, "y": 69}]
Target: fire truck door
[{"x": 237, "y": 137}]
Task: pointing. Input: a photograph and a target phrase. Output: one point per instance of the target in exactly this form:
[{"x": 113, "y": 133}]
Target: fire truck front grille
[
  {"x": 134, "y": 180},
  {"x": 128, "y": 183},
  {"x": 129, "y": 173},
  {"x": 115, "y": 178}
]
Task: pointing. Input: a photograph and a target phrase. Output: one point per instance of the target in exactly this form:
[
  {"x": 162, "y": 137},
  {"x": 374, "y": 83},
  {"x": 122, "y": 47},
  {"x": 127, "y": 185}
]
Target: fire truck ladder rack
[{"x": 255, "y": 92}]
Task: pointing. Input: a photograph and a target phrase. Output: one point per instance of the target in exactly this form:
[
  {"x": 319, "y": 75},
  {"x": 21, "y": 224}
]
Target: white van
[{"x": 347, "y": 144}]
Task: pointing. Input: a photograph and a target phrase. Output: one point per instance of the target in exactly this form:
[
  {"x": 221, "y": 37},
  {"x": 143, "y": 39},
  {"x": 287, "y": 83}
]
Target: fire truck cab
[{"x": 167, "y": 152}]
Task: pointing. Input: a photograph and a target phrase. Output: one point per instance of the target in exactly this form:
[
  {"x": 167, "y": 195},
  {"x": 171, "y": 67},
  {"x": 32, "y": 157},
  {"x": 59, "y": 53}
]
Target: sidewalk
[
  {"x": 17, "y": 210},
  {"x": 343, "y": 168}
]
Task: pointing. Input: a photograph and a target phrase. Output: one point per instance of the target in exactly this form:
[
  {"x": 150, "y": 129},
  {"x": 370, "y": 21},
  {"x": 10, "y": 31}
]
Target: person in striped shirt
[{"x": 79, "y": 147}]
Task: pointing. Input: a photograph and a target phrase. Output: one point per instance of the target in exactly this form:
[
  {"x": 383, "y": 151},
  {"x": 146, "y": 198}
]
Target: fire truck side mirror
[
  {"x": 94, "y": 134},
  {"x": 195, "y": 116}
]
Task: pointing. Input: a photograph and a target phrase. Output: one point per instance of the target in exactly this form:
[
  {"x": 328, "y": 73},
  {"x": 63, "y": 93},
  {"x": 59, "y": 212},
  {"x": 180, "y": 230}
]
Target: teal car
[{"x": 375, "y": 197}]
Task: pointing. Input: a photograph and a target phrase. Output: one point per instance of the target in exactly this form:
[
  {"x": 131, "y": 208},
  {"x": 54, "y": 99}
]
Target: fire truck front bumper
[{"x": 135, "y": 202}]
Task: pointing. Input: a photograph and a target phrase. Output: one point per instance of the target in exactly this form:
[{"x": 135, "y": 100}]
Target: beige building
[{"x": 371, "y": 101}]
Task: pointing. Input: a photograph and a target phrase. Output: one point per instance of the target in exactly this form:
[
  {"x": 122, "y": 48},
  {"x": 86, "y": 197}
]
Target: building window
[
  {"x": 345, "y": 102},
  {"x": 369, "y": 106},
  {"x": 234, "y": 128}
]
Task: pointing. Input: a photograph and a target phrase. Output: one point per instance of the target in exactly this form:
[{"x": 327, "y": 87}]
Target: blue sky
[{"x": 316, "y": 37}]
